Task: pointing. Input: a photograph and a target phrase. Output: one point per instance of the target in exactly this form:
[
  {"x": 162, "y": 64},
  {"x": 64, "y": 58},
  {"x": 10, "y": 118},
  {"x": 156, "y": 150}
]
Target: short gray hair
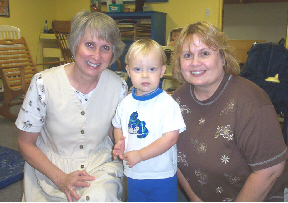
[{"x": 99, "y": 25}]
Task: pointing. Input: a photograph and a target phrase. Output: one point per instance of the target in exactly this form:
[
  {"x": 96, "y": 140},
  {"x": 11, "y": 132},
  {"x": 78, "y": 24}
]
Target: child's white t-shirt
[{"x": 143, "y": 122}]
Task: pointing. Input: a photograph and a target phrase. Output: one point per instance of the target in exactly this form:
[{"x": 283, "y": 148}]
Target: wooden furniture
[
  {"x": 242, "y": 47},
  {"x": 154, "y": 21},
  {"x": 11, "y": 32},
  {"x": 137, "y": 25},
  {"x": 61, "y": 31},
  {"x": 50, "y": 48},
  {"x": 16, "y": 70}
]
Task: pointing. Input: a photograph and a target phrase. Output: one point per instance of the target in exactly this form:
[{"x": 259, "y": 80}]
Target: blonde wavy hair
[
  {"x": 144, "y": 46},
  {"x": 211, "y": 37}
]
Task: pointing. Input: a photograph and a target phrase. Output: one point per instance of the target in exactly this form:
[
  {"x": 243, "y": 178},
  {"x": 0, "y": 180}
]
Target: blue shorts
[{"x": 152, "y": 190}]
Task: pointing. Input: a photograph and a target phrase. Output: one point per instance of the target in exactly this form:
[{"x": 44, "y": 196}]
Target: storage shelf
[
  {"x": 50, "y": 48},
  {"x": 156, "y": 30},
  {"x": 137, "y": 25}
]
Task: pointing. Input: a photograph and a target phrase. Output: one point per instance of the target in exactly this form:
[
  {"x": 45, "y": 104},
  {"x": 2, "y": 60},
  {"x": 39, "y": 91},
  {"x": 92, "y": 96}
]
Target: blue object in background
[{"x": 11, "y": 166}]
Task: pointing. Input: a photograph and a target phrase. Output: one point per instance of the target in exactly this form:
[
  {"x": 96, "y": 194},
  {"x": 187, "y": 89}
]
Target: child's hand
[
  {"x": 132, "y": 158},
  {"x": 119, "y": 148}
]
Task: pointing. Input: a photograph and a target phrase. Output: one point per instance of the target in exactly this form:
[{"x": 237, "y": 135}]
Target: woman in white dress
[{"x": 65, "y": 121}]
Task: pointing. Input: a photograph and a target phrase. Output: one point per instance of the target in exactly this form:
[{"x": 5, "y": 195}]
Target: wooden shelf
[{"x": 50, "y": 48}]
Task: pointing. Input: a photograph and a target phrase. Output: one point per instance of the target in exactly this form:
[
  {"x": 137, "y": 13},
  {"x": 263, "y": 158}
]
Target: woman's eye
[
  {"x": 106, "y": 47},
  {"x": 187, "y": 55},
  {"x": 205, "y": 53},
  {"x": 88, "y": 44}
]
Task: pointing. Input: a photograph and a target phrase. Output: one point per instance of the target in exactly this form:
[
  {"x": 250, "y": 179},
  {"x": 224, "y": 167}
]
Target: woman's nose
[
  {"x": 195, "y": 61},
  {"x": 95, "y": 54}
]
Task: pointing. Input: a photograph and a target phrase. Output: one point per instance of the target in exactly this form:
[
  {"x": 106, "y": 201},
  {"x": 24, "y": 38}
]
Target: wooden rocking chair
[
  {"x": 16, "y": 71},
  {"x": 61, "y": 31}
]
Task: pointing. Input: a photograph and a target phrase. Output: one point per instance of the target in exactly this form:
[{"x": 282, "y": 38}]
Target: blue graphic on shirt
[{"x": 136, "y": 126}]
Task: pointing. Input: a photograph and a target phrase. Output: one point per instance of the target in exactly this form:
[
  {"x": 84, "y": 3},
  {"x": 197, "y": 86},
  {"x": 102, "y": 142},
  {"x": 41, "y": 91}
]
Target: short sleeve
[
  {"x": 116, "y": 121},
  {"x": 173, "y": 119},
  {"x": 32, "y": 114},
  {"x": 258, "y": 138},
  {"x": 124, "y": 89}
]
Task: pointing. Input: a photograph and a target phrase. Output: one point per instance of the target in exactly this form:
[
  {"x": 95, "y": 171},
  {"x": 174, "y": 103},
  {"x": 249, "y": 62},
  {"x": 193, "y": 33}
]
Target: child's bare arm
[
  {"x": 119, "y": 147},
  {"x": 156, "y": 148}
]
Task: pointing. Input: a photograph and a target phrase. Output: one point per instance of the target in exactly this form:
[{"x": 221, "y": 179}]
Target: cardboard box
[{"x": 116, "y": 7}]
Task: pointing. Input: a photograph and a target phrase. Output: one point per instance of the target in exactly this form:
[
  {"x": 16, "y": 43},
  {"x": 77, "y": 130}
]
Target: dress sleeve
[
  {"x": 116, "y": 121},
  {"x": 261, "y": 141},
  {"x": 124, "y": 89},
  {"x": 32, "y": 114}
]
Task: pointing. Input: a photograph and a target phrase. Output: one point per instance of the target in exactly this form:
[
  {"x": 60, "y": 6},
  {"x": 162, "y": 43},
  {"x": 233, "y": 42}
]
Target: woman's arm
[
  {"x": 38, "y": 160},
  {"x": 259, "y": 183},
  {"x": 156, "y": 148},
  {"x": 185, "y": 185}
]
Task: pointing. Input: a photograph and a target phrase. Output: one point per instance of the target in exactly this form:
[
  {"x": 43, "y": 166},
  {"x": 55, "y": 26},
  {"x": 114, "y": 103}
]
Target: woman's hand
[
  {"x": 119, "y": 148},
  {"x": 69, "y": 182},
  {"x": 38, "y": 160}
]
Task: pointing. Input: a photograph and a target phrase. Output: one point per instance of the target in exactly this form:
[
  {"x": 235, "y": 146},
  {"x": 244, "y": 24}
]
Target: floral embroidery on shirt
[
  {"x": 225, "y": 159},
  {"x": 228, "y": 199},
  {"x": 224, "y": 131},
  {"x": 201, "y": 147},
  {"x": 219, "y": 190},
  {"x": 202, "y": 177},
  {"x": 182, "y": 158},
  {"x": 232, "y": 179},
  {"x": 201, "y": 121},
  {"x": 184, "y": 109},
  {"x": 229, "y": 107}
]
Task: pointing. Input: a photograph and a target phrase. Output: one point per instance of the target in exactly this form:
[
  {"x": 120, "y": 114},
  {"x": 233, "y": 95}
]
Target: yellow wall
[
  {"x": 30, "y": 15},
  {"x": 181, "y": 13}
]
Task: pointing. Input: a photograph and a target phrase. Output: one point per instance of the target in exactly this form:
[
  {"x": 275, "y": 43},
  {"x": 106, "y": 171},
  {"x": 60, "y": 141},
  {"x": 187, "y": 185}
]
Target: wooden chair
[
  {"x": 16, "y": 70},
  {"x": 61, "y": 31},
  {"x": 10, "y": 32}
]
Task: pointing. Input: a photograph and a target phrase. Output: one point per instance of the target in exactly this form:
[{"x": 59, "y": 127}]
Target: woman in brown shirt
[{"x": 233, "y": 148}]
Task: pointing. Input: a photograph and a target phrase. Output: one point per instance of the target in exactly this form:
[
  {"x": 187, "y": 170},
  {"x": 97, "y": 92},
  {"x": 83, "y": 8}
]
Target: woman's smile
[
  {"x": 92, "y": 64},
  {"x": 197, "y": 73}
]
